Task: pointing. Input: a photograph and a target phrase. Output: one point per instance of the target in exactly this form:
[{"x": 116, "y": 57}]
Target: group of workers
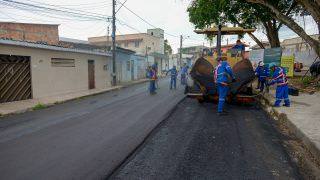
[
  {"x": 223, "y": 74},
  {"x": 279, "y": 77},
  {"x": 152, "y": 75},
  {"x": 223, "y": 77}
]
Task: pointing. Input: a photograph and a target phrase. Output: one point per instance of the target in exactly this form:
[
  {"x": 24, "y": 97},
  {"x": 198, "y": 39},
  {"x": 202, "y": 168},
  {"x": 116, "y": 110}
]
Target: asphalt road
[
  {"x": 195, "y": 143},
  {"x": 81, "y": 139}
]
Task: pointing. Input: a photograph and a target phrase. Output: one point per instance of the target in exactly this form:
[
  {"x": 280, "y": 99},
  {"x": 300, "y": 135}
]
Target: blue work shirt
[
  {"x": 239, "y": 47},
  {"x": 184, "y": 70},
  {"x": 279, "y": 77},
  {"x": 262, "y": 72},
  {"x": 223, "y": 72},
  {"x": 173, "y": 72}
]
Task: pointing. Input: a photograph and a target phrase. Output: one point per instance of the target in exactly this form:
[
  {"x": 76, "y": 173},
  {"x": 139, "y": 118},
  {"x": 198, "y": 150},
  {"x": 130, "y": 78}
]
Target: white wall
[{"x": 48, "y": 80}]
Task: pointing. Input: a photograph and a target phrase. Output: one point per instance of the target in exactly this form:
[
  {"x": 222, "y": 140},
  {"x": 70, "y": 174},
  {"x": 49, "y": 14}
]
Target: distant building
[
  {"x": 141, "y": 43},
  {"x": 297, "y": 44},
  {"x": 150, "y": 45},
  {"x": 195, "y": 51}
]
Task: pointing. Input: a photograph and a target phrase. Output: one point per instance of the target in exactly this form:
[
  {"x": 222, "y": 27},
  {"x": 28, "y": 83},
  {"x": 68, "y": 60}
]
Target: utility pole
[
  {"x": 180, "y": 53},
  {"x": 114, "y": 72}
]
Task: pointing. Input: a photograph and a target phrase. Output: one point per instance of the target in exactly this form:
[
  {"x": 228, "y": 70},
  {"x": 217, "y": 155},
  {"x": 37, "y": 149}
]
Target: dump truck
[{"x": 203, "y": 88}]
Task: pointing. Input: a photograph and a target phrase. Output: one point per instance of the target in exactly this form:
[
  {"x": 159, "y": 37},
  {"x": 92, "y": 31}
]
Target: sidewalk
[
  {"x": 302, "y": 118},
  {"x": 26, "y": 105}
]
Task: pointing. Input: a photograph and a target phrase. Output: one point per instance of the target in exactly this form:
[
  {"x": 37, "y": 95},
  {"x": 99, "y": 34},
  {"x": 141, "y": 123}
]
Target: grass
[
  {"x": 39, "y": 106},
  {"x": 307, "y": 80}
]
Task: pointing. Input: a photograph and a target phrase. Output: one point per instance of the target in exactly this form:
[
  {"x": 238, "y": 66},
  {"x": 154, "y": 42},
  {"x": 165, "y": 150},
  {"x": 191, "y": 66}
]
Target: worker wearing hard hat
[
  {"x": 282, "y": 91},
  {"x": 262, "y": 72},
  {"x": 223, "y": 73}
]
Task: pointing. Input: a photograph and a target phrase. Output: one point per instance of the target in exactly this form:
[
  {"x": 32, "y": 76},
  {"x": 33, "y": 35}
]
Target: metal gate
[{"x": 15, "y": 78}]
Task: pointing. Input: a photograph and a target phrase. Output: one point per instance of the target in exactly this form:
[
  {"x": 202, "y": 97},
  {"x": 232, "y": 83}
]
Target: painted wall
[{"x": 48, "y": 80}]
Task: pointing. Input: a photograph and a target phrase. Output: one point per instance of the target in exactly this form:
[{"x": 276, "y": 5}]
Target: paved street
[
  {"x": 81, "y": 139},
  {"x": 195, "y": 143}
]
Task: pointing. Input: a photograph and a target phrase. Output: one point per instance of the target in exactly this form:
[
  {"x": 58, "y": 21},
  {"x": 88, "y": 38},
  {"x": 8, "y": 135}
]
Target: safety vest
[{"x": 281, "y": 78}]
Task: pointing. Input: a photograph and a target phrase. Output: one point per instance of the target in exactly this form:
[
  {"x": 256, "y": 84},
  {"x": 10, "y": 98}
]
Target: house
[
  {"x": 32, "y": 70},
  {"x": 35, "y": 64},
  {"x": 150, "y": 44}
]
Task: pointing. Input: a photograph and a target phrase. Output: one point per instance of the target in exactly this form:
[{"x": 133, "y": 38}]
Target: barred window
[{"x": 62, "y": 62}]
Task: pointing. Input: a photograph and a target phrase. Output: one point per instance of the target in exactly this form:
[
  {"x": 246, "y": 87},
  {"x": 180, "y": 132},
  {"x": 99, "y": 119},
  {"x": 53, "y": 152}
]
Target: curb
[
  {"x": 47, "y": 105},
  {"x": 309, "y": 158}
]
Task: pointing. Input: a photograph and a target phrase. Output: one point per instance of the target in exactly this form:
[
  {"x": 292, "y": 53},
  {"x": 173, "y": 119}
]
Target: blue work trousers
[
  {"x": 282, "y": 92},
  {"x": 262, "y": 84},
  {"x": 223, "y": 91},
  {"x": 152, "y": 86},
  {"x": 173, "y": 82}
]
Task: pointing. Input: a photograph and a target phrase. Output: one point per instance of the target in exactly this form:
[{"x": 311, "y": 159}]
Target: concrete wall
[
  {"x": 140, "y": 66},
  {"x": 48, "y": 80},
  {"x": 30, "y": 32}
]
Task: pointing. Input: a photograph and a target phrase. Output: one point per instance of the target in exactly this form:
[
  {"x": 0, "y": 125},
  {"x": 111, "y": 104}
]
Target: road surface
[
  {"x": 194, "y": 143},
  {"x": 81, "y": 139}
]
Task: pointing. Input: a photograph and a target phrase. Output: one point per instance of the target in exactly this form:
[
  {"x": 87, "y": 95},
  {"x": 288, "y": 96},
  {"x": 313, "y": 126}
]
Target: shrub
[{"x": 39, "y": 106}]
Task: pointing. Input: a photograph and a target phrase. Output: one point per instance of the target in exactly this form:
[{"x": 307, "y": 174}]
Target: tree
[
  {"x": 167, "y": 47},
  {"x": 204, "y": 13},
  {"x": 311, "y": 6}
]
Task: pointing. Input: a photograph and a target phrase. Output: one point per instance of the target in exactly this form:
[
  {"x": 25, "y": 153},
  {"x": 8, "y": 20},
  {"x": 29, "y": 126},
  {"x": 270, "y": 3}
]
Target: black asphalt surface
[
  {"x": 194, "y": 143},
  {"x": 81, "y": 139}
]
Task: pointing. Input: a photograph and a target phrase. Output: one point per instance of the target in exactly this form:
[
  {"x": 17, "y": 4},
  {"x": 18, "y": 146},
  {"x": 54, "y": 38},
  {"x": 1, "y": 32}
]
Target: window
[
  {"x": 126, "y": 44},
  {"x": 136, "y": 44},
  {"x": 62, "y": 62},
  {"x": 128, "y": 66}
]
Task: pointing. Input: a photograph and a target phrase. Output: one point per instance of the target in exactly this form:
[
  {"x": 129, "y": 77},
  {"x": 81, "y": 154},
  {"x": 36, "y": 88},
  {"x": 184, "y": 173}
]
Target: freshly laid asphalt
[
  {"x": 194, "y": 143},
  {"x": 82, "y": 139}
]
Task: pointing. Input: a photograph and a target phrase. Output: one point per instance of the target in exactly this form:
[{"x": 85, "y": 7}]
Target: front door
[
  {"x": 132, "y": 70},
  {"x": 91, "y": 74}
]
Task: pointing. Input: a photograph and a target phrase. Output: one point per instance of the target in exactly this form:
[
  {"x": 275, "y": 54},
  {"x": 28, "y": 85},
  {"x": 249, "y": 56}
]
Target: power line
[{"x": 54, "y": 11}]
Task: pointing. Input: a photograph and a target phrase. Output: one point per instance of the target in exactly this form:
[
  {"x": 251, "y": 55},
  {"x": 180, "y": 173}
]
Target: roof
[
  {"x": 50, "y": 47},
  {"x": 73, "y": 40},
  {"x": 29, "y": 23},
  {"x": 224, "y": 31}
]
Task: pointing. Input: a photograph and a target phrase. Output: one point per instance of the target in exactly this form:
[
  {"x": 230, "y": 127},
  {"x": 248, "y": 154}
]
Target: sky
[{"x": 170, "y": 15}]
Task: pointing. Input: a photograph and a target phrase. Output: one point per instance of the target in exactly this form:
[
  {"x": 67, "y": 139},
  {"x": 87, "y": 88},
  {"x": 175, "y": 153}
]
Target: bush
[
  {"x": 306, "y": 80},
  {"x": 39, "y": 106}
]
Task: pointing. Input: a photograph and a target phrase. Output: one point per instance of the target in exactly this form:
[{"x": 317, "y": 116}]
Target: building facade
[
  {"x": 141, "y": 43},
  {"x": 30, "y": 70},
  {"x": 34, "y": 64}
]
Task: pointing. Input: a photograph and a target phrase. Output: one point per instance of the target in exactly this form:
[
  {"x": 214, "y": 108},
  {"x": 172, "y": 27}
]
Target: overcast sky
[{"x": 169, "y": 15}]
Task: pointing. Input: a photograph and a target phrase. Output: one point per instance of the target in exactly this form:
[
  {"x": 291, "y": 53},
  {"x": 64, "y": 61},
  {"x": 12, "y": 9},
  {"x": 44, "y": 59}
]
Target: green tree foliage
[
  {"x": 205, "y": 13},
  {"x": 310, "y": 6}
]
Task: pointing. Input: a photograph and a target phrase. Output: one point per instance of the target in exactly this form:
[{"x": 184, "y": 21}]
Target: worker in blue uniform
[
  {"x": 152, "y": 77},
  {"x": 184, "y": 74},
  {"x": 240, "y": 47},
  {"x": 223, "y": 74},
  {"x": 262, "y": 72},
  {"x": 282, "y": 92},
  {"x": 173, "y": 73}
]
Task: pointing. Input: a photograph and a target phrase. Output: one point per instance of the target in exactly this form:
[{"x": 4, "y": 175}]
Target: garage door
[{"x": 15, "y": 78}]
